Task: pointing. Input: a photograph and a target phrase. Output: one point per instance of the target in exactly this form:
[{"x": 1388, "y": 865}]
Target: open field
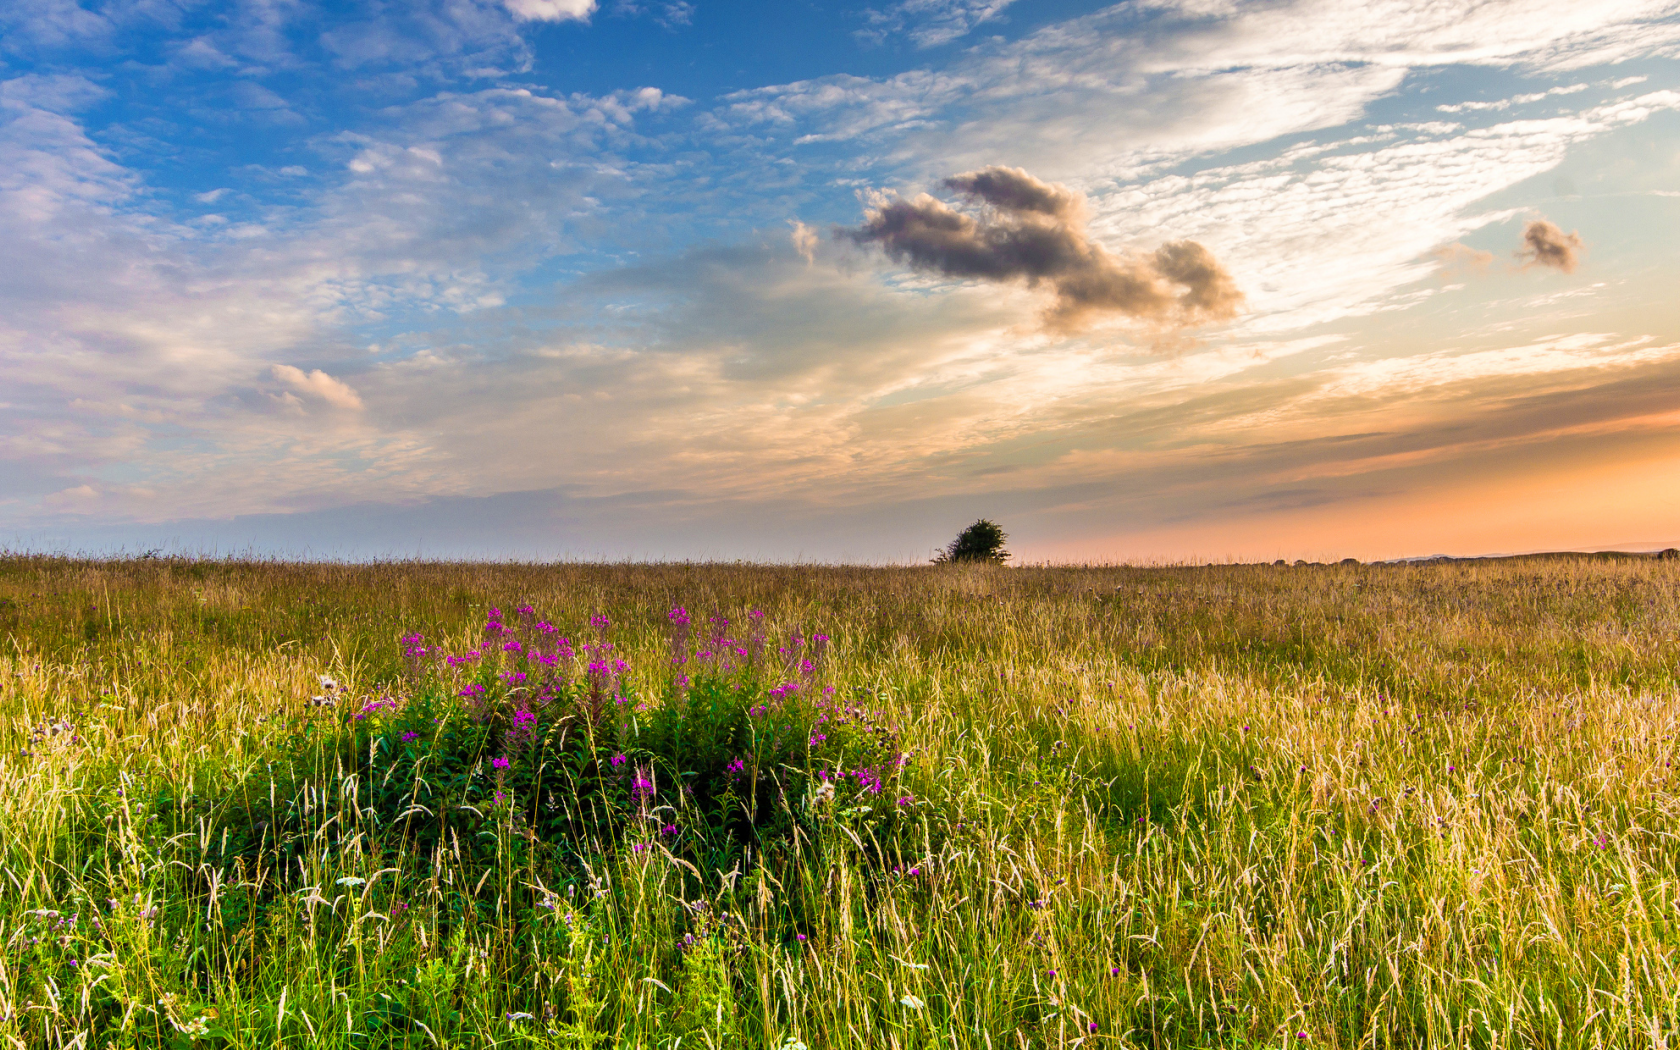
[{"x": 1340, "y": 806}]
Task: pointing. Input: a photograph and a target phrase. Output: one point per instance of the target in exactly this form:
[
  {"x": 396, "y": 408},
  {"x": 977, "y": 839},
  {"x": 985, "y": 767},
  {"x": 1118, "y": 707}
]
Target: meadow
[{"x": 263, "y": 804}]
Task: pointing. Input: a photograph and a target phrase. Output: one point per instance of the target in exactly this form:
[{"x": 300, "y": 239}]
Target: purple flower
[
  {"x": 678, "y": 616},
  {"x": 1093, "y": 1027},
  {"x": 410, "y": 736},
  {"x": 500, "y": 762},
  {"x": 616, "y": 761}
]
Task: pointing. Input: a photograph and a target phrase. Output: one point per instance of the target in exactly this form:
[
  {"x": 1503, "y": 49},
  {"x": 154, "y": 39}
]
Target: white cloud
[
  {"x": 56, "y": 92},
  {"x": 1313, "y": 236},
  {"x": 1519, "y": 100},
  {"x": 334, "y": 392},
  {"x": 550, "y": 10},
  {"x": 1138, "y": 85}
]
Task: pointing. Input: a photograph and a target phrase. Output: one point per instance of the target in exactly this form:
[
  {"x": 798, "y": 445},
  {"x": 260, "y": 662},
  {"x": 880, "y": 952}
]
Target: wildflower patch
[{"x": 536, "y": 741}]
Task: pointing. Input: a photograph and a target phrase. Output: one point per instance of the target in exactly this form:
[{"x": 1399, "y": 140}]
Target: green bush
[{"x": 981, "y": 542}]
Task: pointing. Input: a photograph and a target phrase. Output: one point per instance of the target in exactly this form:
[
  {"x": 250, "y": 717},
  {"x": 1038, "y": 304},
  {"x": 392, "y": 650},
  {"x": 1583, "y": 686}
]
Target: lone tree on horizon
[{"x": 983, "y": 541}]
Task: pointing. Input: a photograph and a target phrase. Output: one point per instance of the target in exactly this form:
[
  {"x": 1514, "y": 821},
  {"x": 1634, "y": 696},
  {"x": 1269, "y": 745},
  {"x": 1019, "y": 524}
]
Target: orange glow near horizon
[{"x": 1630, "y": 504}]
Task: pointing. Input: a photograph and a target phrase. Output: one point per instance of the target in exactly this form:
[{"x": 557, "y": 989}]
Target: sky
[{"x": 802, "y": 280}]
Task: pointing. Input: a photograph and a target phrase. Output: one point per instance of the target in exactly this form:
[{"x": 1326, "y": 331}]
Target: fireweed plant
[{"x": 739, "y": 751}]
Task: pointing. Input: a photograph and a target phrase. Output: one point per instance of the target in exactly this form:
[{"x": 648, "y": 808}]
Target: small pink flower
[{"x": 500, "y": 762}]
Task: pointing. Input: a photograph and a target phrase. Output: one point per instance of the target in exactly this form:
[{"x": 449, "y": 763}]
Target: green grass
[{"x": 1322, "y": 806}]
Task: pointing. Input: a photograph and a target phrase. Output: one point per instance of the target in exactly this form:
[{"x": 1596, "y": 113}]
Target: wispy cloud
[{"x": 930, "y": 23}]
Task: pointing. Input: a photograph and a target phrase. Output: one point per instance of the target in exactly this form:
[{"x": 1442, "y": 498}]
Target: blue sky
[{"x": 558, "y": 278}]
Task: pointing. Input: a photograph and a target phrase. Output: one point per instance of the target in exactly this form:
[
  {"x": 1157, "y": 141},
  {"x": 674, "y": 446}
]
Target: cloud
[
  {"x": 1457, "y": 258},
  {"x": 1544, "y": 244},
  {"x": 1135, "y": 87},
  {"x": 1034, "y": 231},
  {"x": 804, "y": 240},
  {"x": 1521, "y": 100},
  {"x": 550, "y": 10},
  {"x": 58, "y": 92},
  {"x": 930, "y": 23},
  {"x": 668, "y": 13},
  {"x": 334, "y": 392}
]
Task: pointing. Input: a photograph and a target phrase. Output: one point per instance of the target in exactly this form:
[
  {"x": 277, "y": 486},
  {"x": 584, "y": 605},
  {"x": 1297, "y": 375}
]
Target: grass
[{"x": 1317, "y": 806}]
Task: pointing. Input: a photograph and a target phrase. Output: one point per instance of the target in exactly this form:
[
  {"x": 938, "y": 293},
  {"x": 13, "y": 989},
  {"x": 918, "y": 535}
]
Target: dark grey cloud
[
  {"x": 1024, "y": 229},
  {"x": 1544, "y": 244}
]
